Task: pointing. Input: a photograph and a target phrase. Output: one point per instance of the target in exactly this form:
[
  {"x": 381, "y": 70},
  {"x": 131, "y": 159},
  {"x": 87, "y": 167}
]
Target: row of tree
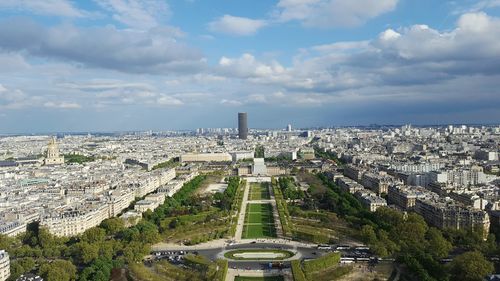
[
  {"x": 289, "y": 188},
  {"x": 225, "y": 199}
]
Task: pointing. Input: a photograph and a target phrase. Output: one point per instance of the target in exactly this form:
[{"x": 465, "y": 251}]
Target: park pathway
[
  {"x": 232, "y": 273},
  {"x": 241, "y": 218}
]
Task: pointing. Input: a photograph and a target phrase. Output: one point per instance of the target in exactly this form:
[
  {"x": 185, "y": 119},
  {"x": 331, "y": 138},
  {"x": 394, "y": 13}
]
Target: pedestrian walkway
[
  {"x": 232, "y": 273},
  {"x": 241, "y": 218}
]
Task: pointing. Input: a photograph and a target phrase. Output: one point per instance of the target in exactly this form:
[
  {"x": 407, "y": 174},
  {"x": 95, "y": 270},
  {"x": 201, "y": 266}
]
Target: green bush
[
  {"x": 298, "y": 274},
  {"x": 321, "y": 263},
  {"x": 222, "y": 272}
]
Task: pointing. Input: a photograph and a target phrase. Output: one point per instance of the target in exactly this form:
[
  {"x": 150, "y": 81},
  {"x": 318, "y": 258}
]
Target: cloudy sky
[{"x": 111, "y": 65}]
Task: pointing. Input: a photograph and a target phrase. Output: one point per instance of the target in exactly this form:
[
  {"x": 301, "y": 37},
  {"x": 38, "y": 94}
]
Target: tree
[
  {"x": 438, "y": 246},
  {"x": 93, "y": 235},
  {"x": 148, "y": 232},
  {"x": 21, "y": 266},
  {"x": 88, "y": 252},
  {"x": 368, "y": 234},
  {"x": 470, "y": 266},
  {"x": 113, "y": 225},
  {"x": 135, "y": 251},
  {"x": 411, "y": 233},
  {"x": 58, "y": 270}
]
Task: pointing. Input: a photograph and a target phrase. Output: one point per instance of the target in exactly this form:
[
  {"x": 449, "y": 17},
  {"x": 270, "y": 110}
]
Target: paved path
[
  {"x": 241, "y": 218},
  {"x": 232, "y": 273},
  {"x": 213, "y": 244}
]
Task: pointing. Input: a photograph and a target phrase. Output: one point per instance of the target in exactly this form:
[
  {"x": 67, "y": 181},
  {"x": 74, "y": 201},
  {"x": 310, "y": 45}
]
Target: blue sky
[{"x": 111, "y": 65}]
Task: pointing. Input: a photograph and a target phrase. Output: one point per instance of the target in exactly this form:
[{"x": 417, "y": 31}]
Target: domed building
[{"x": 53, "y": 157}]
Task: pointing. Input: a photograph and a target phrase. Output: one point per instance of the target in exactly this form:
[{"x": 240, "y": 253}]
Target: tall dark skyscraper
[{"x": 242, "y": 125}]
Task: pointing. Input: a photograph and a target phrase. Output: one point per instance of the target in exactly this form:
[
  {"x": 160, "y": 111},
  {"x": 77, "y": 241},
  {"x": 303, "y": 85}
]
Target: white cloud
[
  {"x": 62, "y": 105},
  {"x": 248, "y": 66},
  {"x": 143, "y": 14},
  {"x": 44, "y": 7},
  {"x": 231, "y": 102},
  {"x": 103, "y": 85},
  {"x": 168, "y": 100},
  {"x": 476, "y": 7},
  {"x": 236, "y": 25},
  {"x": 332, "y": 13}
]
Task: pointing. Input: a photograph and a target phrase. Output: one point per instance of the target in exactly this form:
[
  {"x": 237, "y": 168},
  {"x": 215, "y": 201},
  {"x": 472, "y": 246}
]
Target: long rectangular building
[{"x": 206, "y": 157}]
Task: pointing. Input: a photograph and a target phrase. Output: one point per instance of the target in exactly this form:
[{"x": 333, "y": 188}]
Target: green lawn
[
  {"x": 259, "y": 221},
  {"x": 259, "y": 231},
  {"x": 262, "y": 208},
  {"x": 268, "y": 278},
  {"x": 234, "y": 254},
  {"x": 259, "y": 191},
  {"x": 266, "y": 218}
]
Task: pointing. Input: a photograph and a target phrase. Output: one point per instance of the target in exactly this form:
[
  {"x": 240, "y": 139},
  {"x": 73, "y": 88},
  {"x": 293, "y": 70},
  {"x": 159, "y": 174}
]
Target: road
[{"x": 301, "y": 251}]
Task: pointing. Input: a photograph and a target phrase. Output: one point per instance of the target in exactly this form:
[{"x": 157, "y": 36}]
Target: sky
[{"x": 119, "y": 65}]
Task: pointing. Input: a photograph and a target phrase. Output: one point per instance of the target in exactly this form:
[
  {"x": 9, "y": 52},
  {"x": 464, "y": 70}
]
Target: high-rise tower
[{"x": 242, "y": 125}]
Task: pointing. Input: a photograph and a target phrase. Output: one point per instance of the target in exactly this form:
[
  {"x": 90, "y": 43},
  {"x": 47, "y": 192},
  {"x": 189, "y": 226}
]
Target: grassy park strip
[
  {"x": 259, "y": 221},
  {"x": 258, "y": 254},
  {"x": 259, "y": 191}
]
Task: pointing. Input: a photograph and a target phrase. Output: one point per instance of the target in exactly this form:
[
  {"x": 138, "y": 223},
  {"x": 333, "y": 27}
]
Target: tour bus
[
  {"x": 324, "y": 247},
  {"x": 343, "y": 247},
  {"x": 346, "y": 260}
]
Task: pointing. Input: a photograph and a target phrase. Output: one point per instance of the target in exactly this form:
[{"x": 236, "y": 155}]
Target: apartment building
[
  {"x": 4, "y": 265},
  {"x": 348, "y": 185},
  {"x": 405, "y": 197},
  {"x": 446, "y": 213},
  {"x": 376, "y": 183},
  {"x": 353, "y": 172},
  {"x": 370, "y": 200}
]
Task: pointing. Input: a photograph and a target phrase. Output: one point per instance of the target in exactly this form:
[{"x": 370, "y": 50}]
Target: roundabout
[{"x": 258, "y": 254}]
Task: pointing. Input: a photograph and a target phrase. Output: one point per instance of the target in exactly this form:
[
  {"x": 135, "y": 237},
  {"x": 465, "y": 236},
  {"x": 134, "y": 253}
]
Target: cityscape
[{"x": 284, "y": 140}]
